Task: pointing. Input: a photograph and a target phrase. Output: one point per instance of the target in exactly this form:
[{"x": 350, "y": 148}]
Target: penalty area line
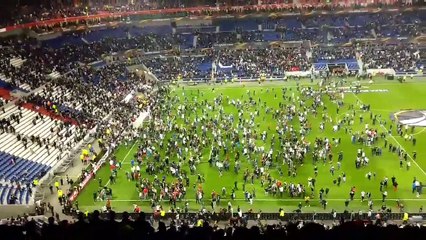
[{"x": 396, "y": 141}]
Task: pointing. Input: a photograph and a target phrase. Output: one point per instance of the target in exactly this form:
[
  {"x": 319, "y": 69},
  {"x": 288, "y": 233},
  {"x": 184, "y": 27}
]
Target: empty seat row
[
  {"x": 13, "y": 168},
  {"x": 22, "y": 196}
]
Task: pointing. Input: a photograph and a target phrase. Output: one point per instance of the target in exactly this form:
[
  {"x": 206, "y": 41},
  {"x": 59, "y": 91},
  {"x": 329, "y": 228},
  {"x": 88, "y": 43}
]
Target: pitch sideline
[{"x": 125, "y": 157}]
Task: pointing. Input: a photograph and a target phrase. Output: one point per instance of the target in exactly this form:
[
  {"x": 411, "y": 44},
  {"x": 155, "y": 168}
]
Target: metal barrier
[{"x": 272, "y": 216}]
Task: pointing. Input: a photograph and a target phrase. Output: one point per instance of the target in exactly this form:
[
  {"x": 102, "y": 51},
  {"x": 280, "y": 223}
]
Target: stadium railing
[
  {"x": 275, "y": 216},
  {"x": 82, "y": 184},
  {"x": 192, "y": 11}
]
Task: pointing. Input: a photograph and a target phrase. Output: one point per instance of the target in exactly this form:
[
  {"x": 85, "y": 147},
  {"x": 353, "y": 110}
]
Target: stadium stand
[{"x": 39, "y": 141}]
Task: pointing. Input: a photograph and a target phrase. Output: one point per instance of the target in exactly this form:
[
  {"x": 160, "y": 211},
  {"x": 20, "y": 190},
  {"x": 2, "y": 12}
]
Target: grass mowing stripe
[{"x": 400, "y": 145}]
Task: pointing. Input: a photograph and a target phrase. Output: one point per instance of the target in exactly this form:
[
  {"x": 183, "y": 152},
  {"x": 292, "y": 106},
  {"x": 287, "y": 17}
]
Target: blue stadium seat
[
  {"x": 27, "y": 197},
  {"x": 22, "y": 193},
  {"x": 63, "y": 40},
  {"x": 187, "y": 40},
  {"x": 290, "y": 23},
  {"x": 320, "y": 66},
  {"x": 9, "y": 194},
  {"x": 10, "y": 172},
  {"x": 271, "y": 36},
  {"x": 161, "y": 30},
  {"x": 247, "y": 24},
  {"x": 352, "y": 66},
  {"x": 225, "y": 25},
  {"x": 98, "y": 35},
  {"x": 2, "y": 193}
]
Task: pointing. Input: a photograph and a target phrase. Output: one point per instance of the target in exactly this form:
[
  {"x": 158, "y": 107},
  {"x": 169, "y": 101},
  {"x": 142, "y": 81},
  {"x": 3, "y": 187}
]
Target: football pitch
[{"x": 385, "y": 98}]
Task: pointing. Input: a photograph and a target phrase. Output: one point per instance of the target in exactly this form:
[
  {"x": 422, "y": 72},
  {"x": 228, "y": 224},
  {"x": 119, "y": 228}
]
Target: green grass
[{"x": 399, "y": 96}]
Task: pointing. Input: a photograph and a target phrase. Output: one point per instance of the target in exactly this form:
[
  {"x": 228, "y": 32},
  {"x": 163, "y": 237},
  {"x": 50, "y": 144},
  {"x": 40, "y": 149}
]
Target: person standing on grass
[
  {"x": 395, "y": 186},
  {"x": 370, "y": 205},
  {"x": 417, "y": 187},
  {"x": 413, "y": 187},
  {"x": 384, "y": 195},
  {"x": 324, "y": 204},
  {"x": 368, "y": 175},
  {"x": 351, "y": 195},
  {"x": 362, "y": 196},
  {"x": 111, "y": 178},
  {"x": 108, "y": 204},
  {"x": 332, "y": 170},
  {"x": 385, "y": 182}
]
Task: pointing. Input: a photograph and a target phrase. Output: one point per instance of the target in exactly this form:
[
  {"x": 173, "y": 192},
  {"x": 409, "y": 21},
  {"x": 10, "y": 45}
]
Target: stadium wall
[
  {"x": 292, "y": 216},
  {"x": 374, "y": 72},
  {"x": 7, "y": 211},
  {"x": 87, "y": 179}
]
